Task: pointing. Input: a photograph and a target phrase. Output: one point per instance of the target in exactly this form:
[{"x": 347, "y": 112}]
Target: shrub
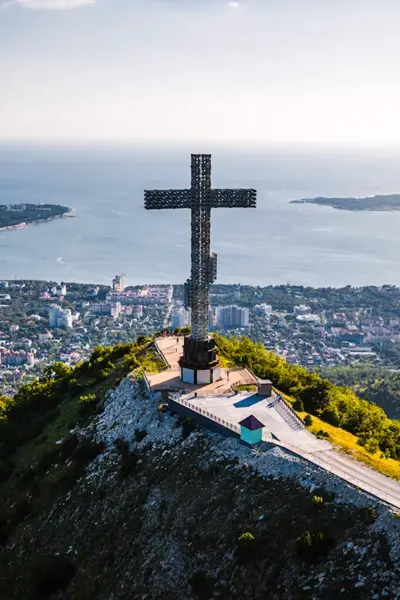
[
  {"x": 87, "y": 404},
  {"x": 128, "y": 464},
  {"x": 317, "y": 501},
  {"x": 121, "y": 446},
  {"x": 188, "y": 425},
  {"x": 101, "y": 375},
  {"x": 372, "y": 445},
  {"x": 322, "y": 435},
  {"x": 368, "y": 514},
  {"x": 246, "y": 547},
  {"x": 140, "y": 434},
  {"x": 311, "y": 545},
  {"x": 298, "y": 405},
  {"x": 308, "y": 421}
]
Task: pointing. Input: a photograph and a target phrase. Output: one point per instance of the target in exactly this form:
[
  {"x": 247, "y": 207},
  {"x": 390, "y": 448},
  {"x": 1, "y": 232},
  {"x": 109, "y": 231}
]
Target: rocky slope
[{"x": 161, "y": 510}]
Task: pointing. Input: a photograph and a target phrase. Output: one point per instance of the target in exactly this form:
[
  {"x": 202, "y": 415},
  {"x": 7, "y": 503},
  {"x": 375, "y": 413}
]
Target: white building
[
  {"x": 45, "y": 337},
  {"x": 115, "y": 310},
  {"x": 58, "y": 317},
  {"x": 302, "y": 309},
  {"x": 263, "y": 309},
  {"x": 53, "y": 315},
  {"x": 137, "y": 311},
  {"x": 61, "y": 290},
  {"x": 180, "y": 318},
  {"x": 232, "y": 316},
  {"x": 211, "y": 318}
]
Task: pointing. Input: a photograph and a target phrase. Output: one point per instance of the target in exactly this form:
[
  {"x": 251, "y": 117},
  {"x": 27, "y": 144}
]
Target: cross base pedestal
[
  {"x": 200, "y": 376},
  {"x": 199, "y": 363}
]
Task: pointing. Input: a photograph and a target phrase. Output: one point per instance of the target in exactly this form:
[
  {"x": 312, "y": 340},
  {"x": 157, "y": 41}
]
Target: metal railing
[
  {"x": 162, "y": 355},
  {"x": 341, "y": 473}
]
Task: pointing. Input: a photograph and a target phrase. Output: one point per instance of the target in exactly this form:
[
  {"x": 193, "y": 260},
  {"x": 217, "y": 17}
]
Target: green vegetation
[
  {"x": 349, "y": 444},
  {"x": 29, "y": 213},
  {"x": 375, "y": 203},
  {"x": 39, "y": 457},
  {"x": 246, "y": 387},
  {"x": 246, "y": 548},
  {"x": 188, "y": 425},
  {"x": 317, "y": 501},
  {"x": 336, "y": 405},
  {"x": 308, "y": 421},
  {"x": 311, "y": 546},
  {"x": 375, "y": 384}
]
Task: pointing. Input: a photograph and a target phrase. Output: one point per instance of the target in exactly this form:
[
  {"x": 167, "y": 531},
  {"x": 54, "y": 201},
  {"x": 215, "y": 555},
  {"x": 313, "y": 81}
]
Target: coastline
[
  {"x": 375, "y": 204},
  {"x": 24, "y": 224}
]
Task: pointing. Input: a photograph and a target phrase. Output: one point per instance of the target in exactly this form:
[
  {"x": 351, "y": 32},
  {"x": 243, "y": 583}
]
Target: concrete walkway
[{"x": 221, "y": 404}]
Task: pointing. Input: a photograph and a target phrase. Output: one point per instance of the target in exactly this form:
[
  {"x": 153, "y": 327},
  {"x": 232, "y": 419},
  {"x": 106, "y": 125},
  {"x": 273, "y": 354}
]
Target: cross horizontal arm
[
  {"x": 159, "y": 199},
  {"x": 233, "y": 198}
]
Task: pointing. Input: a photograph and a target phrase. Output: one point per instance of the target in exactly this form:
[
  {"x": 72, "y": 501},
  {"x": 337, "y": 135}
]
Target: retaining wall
[{"x": 201, "y": 419}]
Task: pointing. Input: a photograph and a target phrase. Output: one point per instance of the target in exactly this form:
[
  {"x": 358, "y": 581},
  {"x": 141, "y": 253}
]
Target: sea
[{"x": 110, "y": 232}]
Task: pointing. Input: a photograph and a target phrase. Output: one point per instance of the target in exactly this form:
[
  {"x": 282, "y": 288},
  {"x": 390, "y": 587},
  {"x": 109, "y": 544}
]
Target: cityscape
[{"x": 46, "y": 322}]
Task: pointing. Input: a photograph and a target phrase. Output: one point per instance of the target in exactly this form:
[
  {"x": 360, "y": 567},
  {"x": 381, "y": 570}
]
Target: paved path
[{"x": 222, "y": 405}]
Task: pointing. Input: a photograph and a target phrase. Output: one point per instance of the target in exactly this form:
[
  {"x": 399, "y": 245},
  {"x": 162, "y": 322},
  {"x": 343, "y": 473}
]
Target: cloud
[
  {"x": 50, "y": 4},
  {"x": 234, "y": 4}
]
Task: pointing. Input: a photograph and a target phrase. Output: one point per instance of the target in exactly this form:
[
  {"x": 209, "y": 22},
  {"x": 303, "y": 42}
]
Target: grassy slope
[
  {"x": 42, "y": 466},
  {"x": 347, "y": 442}
]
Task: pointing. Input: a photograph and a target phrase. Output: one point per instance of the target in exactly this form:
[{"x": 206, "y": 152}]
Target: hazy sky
[{"x": 266, "y": 70}]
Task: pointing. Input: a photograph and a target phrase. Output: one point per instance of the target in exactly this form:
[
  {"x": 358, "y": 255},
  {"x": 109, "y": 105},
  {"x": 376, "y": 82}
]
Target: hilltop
[{"x": 106, "y": 495}]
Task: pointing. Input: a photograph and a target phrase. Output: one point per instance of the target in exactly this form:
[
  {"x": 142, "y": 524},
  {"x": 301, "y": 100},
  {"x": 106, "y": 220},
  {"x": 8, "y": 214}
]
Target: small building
[
  {"x": 264, "y": 387},
  {"x": 251, "y": 430}
]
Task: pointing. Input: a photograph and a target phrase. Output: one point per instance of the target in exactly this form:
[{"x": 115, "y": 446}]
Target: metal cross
[{"x": 200, "y": 198}]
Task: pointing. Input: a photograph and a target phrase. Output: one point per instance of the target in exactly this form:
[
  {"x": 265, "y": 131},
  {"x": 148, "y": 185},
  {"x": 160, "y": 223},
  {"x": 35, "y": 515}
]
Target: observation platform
[{"x": 171, "y": 348}]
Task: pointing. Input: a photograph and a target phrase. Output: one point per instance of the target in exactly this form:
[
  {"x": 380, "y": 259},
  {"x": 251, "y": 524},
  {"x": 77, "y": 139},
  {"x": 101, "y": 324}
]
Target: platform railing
[{"x": 341, "y": 473}]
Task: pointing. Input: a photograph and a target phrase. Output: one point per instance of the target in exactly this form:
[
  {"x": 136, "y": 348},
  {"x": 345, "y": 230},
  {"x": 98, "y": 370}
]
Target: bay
[{"x": 278, "y": 242}]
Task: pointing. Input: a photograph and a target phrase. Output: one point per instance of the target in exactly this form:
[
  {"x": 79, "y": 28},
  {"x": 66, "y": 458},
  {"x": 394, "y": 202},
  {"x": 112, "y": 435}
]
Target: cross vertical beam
[
  {"x": 200, "y": 244},
  {"x": 200, "y": 198}
]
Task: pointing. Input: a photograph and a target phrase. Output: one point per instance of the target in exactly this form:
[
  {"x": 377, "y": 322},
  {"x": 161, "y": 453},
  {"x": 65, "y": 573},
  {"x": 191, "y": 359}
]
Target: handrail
[
  {"x": 291, "y": 409},
  {"x": 302, "y": 453},
  {"x": 161, "y": 353},
  {"x": 146, "y": 380}
]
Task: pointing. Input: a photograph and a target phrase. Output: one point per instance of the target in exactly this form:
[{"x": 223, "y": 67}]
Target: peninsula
[
  {"x": 16, "y": 216},
  {"x": 372, "y": 203}
]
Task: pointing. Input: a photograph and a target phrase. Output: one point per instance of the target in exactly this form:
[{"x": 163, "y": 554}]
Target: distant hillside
[
  {"x": 374, "y": 203},
  {"x": 12, "y": 215},
  {"x": 114, "y": 498}
]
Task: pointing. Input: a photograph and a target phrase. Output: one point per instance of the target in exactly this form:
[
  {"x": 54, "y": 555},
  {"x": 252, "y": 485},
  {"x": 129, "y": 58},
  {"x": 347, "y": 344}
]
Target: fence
[
  {"x": 345, "y": 475},
  {"x": 208, "y": 415},
  {"x": 341, "y": 473}
]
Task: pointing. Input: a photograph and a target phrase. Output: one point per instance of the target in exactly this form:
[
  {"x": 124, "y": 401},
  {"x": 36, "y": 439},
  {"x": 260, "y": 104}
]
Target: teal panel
[{"x": 250, "y": 437}]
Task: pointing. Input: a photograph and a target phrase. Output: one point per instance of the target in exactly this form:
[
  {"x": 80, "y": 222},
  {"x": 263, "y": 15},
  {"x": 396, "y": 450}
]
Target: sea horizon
[{"x": 274, "y": 244}]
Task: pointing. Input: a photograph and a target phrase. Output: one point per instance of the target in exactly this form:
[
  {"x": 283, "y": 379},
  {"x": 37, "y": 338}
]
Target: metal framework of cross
[{"x": 200, "y": 199}]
